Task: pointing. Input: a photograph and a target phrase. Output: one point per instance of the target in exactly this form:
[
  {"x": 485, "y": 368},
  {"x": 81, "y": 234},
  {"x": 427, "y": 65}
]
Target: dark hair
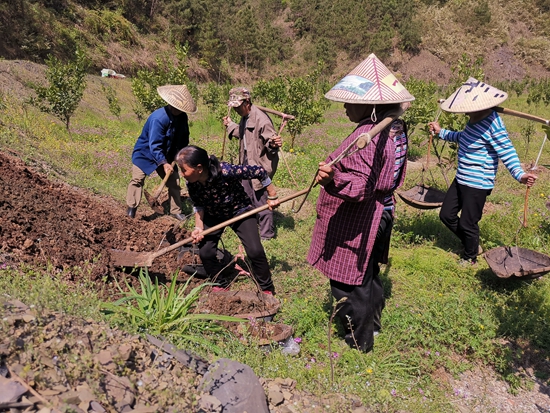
[{"x": 194, "y": 156}]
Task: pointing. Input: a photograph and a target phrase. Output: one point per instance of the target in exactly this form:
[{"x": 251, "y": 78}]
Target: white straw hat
[
  {"x": 178, "y": 96},
  {"x": 473, "y": 96},
  {"x": 370, "y": 83}
]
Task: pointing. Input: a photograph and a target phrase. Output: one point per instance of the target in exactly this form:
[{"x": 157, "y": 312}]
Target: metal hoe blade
[
  {"x": 121, "y": 258},
  {"x": 154, "y": 203}
]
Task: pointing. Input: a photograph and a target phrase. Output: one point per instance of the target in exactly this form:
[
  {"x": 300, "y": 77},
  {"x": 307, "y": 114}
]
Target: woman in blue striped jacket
[{"x": 481, "y": 144}]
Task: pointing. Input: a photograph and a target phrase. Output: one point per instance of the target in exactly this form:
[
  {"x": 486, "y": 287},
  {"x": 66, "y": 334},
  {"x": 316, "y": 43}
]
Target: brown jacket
[{"x": 258, "y": 133}]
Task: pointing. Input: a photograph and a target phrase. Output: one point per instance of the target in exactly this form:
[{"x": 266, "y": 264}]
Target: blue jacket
[{"x": 162, "y": 136}]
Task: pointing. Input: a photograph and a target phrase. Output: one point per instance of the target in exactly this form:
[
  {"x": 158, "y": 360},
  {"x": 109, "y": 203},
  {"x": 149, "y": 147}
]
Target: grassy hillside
[
  {"x": 244, "y": 40},
  {"x": 440, "y": 318}
]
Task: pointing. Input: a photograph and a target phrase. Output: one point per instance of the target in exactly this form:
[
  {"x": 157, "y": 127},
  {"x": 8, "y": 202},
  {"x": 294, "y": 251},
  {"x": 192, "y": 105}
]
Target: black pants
[
  {"x": 360, "y": 313},
  {"x": 469, "y": 202},
  {"x": 247, "y": 231}
]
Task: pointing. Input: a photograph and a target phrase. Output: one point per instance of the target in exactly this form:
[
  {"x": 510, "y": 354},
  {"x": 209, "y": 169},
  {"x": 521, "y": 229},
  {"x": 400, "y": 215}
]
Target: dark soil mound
[{"x": 51, "y": 223}]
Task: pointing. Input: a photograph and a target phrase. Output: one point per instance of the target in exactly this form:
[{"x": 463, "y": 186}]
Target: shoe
[
  {"x": 218, "y": 289},
  {"x": 179, "y": 217},
  {"x": 131, "y": 212},
  {"x": 375, "y": 333},
  {"x": 267, "y": 292},
  {"x": 466, "y": 263}
]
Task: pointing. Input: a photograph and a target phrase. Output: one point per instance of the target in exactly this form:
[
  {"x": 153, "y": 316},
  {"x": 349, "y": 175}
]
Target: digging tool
[
  {"x": 360, "y": 142},
  {"x": 153, "y": 200},
  {"x": 534, "y": 168},
  {"x": 275, "y": 112},
  {"x": 517, "y": 114},
  {"x": 145, "y": 259},
  {"x": 225, "y": 135}
]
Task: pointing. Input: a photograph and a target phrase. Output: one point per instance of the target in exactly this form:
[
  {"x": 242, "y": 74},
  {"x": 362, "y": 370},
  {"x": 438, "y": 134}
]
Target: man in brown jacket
[{"x": 259, "y": 145}]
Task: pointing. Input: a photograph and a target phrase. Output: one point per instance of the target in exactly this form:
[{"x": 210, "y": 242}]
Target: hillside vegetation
[{"x": 243, "y": 40}]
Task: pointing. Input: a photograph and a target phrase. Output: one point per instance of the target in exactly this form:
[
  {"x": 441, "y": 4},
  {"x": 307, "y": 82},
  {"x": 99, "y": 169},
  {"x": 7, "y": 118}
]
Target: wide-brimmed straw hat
[
  {"x": 473, "y": 96},
  {"x": 370, "y": 83},
  {"x": 178, "y": 96}
]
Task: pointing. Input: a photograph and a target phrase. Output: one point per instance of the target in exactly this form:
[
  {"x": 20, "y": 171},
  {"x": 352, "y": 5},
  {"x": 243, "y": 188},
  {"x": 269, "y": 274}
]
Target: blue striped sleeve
[{"x": 504, "y": 148}]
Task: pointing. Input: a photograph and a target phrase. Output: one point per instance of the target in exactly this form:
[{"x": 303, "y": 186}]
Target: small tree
[
  {"x": 67, "y": 82},
  {"x": 301, "y": 97},
  {"x": 110, "y": 94}
]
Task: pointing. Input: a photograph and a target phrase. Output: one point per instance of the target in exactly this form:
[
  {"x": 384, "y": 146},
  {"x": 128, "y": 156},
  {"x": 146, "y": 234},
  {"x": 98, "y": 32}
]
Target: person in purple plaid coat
[{"x": 356, "y": 205}]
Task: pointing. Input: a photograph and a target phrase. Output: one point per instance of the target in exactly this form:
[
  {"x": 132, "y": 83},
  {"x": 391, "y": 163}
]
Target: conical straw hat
[
  {"x": 370, "y": 83},
  {"x": 473, "y": 96},
  {"x": 178, "y": 96}
]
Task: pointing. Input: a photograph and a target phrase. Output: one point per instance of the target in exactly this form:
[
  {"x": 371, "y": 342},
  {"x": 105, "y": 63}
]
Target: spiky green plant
[{"x": 165, "y": 310}]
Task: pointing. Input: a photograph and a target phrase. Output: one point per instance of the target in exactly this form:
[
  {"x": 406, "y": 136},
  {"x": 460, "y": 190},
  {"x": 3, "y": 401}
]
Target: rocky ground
[{"x": 51, "y": 362}]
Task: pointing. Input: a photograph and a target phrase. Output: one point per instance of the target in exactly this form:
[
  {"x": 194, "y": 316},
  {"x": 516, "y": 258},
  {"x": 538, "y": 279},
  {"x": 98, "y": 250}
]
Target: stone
[
  {"x": 96, "y": 407},
  {"x": 10, "y": 390},
  {"x": 209, "y": 404},
  {"x": 236, "y": 386},
  {"x": 275, "y": 396}
]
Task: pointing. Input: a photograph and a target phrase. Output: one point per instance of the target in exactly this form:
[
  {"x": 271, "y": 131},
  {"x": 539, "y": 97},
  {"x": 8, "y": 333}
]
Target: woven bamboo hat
[
  {"x": 473, "y": 96},
  {"x": 370, "y": 83},
  {"x": 178, "y": 96}
]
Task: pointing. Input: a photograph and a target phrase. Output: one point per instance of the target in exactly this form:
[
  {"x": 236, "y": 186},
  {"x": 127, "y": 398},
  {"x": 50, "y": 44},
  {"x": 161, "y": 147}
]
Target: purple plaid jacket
[{"x": 349, "y": 208}]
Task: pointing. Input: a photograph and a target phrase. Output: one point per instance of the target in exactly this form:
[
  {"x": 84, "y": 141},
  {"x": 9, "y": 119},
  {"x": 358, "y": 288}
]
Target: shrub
[{"x": 67, "y": 82}]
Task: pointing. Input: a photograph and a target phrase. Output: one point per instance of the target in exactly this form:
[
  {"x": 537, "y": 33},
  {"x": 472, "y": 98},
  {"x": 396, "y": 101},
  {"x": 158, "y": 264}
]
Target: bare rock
[
  {"x": 10, "y": 390},
  {"x": 209, "y": 404},
  {"x": 275, "y": 396},
  {"x": 236, "y": 386}
]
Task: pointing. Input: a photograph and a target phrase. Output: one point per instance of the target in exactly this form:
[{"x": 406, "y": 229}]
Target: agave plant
[{"x": 166, "y": 310}]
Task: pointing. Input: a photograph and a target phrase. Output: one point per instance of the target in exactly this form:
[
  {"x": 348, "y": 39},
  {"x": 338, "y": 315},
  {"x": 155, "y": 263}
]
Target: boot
[{"x": 131, "y": 212}]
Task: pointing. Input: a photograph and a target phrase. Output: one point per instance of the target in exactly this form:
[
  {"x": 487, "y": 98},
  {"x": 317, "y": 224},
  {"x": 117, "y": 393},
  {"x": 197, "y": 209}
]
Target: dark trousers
[
  {"x": 469, "y": 202},
  {"x": 265, "y": 218},
  {"x": 360, "y": 313},
  {"x": 247, "y": 231}
]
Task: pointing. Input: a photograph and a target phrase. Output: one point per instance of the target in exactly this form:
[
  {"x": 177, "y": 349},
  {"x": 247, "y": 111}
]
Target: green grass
[{"x": 438, "y": 315}]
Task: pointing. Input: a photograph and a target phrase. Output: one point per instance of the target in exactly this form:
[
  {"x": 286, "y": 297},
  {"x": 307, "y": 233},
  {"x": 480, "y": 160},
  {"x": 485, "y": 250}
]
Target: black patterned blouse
[{"x": 224, "y": 197}]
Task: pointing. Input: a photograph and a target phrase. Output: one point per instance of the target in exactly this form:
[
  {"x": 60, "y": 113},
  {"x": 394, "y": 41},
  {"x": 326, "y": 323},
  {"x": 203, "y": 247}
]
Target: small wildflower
[
  {"x": 428, "y": 352},
  {"x": 481, "y": 326},
  {"x": 335, "y": 355},
  {"x": 369, "y": 371},
  {"x": 421, "y": 391},
  {"x": 437, "y": 353},
  {"x": 308, "y": 366},
  {"x": 3, "y": 266},
  {"x": 313, "y": 360},
  {"x": 298, "y": 340},
  {"x": 393, "y": 392}
]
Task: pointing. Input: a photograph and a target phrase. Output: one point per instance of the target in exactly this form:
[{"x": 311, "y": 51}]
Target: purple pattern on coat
[
  {"x": 350, "y": 207},
  {"x": 224, "y": 197}
]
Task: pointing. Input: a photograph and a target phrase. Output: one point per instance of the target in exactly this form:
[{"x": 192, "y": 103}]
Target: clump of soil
[
  {"x": 242, "y": 304},
  {"x": 264, "y": 332}
]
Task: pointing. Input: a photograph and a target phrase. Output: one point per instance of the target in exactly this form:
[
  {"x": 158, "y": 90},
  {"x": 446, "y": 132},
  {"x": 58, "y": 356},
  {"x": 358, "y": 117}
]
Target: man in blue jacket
[{"x": 165, "y": 132}]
